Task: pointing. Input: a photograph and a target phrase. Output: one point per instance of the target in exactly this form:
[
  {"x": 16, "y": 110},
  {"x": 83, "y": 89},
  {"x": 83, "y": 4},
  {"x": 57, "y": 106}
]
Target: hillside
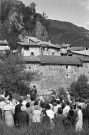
[
  {"x": 67, "y": 32},
  {"x": 18, "y": 20}
]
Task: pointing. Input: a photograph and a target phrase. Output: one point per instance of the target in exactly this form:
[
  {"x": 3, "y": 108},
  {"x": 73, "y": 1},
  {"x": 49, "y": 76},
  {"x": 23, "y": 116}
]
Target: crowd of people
[{"x": 28, "y": 110}]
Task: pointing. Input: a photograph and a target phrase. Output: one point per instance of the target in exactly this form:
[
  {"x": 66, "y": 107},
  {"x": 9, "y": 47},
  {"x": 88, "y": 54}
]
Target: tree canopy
[
  {"x": 80, "y": 88},
  {"x": 12, "y": 74}
]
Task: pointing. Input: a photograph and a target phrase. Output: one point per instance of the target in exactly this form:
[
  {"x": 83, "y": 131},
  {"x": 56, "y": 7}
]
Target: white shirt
[
  {"x": 50, "y": 113},
  {"x": 66, "y": 110}
]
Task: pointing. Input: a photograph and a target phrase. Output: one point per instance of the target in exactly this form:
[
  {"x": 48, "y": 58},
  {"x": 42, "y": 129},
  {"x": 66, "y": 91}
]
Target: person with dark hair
[
  {"x": 71, "y": 117},
  {"x": 27, "y": 109},
  {"x": 33, "y": 93},
  {"x": 59, "y": 118},
  {"x": 36, "y": 115},
  {"x": 8, "y": 95},
  {"x": 23, "y": 119},
  {"x": 50, "y": 112},
  {"x": 27, "y": 105},
  {"x": 66, "y": 109},
  {"x": 45, "y": 119},
  {"x": 17, "y": 111}
]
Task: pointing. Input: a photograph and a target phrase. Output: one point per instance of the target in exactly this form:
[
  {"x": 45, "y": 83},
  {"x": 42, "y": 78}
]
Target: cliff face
[
  {"x": 40, "y": 31},
  {"x": 15, "y": 20}
]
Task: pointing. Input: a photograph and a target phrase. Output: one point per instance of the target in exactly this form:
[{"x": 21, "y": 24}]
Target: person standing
[
  {"x": 8, "y": 114},
  {"x": 79, "y": 123},
  {"x": 33, "y": 93}
]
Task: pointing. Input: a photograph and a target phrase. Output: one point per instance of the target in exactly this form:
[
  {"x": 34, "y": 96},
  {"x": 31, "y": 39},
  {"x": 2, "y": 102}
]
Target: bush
[{"x": 80, "y": 88}]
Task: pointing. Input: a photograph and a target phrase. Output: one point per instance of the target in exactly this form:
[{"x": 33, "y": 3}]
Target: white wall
[
  {"x": 35, "y": 50},
  {"x": 50, "y": 51}
]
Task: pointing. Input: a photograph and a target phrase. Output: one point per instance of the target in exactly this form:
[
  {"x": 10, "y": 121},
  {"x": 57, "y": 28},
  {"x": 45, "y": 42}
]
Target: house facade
[
  {"x": 32, "y": 46},
  {"x": 4, "y": 46},
  {"x": 54, "y": 72}
]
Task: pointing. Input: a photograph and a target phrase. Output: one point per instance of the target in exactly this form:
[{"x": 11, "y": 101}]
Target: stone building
[
  {"x": 31, "y": 46},
  {"x": 55, "y": 66},
  {"x": 54, "y": 72}
]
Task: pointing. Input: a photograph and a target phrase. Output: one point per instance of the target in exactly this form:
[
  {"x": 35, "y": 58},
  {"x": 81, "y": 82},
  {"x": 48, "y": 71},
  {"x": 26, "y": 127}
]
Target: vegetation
[
  {"x": 80, "y": 88},
  {"x": 15, "y": 18},
  {"x": 66, "y": 32},
  {"x": 40, "y": 130},
  {"x": 12, "y": 74}
]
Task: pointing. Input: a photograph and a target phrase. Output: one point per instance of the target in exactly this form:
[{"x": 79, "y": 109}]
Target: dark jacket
[
  {"x": 17, "y": 111},
  {"x": 23, "y": 119}
]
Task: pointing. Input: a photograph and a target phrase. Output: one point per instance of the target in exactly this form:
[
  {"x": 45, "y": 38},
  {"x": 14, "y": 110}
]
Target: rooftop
[
  {"x": 33, "y": 39},
  {"x": 59, "y": 60},
  {"x": 76, "y": 48},
  {"x": 31, "y": 59},
  {"x": 41, "y": 43},
  {"x": 53, "y": 60},
  {"x": 83, "y": 52},
  {"x": 64, "y": 45},
  {"x": 3, "y": 42}
]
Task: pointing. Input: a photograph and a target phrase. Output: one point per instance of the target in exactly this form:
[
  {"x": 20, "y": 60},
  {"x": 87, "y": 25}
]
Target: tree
[
  {"x": 80, "y": 88},
  {"x": 61, "y": 93},
  {"x": 12, "y": 74}
]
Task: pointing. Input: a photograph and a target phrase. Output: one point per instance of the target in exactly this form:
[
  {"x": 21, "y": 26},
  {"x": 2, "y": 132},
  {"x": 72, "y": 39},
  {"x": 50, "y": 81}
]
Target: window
[
  {"x": 26, "y": 47},
  {"x": 66, "y": 67},
  {"x": 32, "y": 53},
  {"x": 78, "y": 66},
  {"x": 53, "y": 53},
  {"x": 58, "y": 50},
  {"x": 45, "y": 49}
]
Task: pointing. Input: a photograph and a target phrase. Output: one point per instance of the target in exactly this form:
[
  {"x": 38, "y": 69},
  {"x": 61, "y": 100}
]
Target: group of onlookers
[{"x": 22, "y": 112}]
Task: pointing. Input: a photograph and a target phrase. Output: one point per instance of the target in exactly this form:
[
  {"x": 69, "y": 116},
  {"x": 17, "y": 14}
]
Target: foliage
[
  {"x": 16, "y": 18},
  {"x": 62, "y": 93},
  {"x": 12, "y": 74},
  {"x": 40, "y": 129},
  {"x": 80, "y": 88}
]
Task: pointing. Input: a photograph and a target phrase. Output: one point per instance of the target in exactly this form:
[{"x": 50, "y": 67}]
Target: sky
[{"x": 74, "y": 11}]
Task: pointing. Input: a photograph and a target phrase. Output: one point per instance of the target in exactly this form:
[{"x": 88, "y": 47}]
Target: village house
[
  {"x": 31, "y": 46},
  {"x": 4, "y": 46},
  {"x": 53, "y": 72}
]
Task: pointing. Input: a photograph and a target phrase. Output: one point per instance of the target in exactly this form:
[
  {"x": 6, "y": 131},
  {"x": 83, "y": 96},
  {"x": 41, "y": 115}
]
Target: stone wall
[{"x": 51, "y": 77}]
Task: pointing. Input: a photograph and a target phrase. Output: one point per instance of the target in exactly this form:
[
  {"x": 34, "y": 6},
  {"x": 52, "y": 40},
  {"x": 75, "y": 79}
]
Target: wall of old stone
[{"x": 52, "y": 77}]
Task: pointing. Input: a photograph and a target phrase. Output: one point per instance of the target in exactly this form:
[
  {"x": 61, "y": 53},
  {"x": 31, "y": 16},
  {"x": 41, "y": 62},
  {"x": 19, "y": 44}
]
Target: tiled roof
[
  {"x": 53, "y": 60},
  {"x": 27, "y": 44},
  {"x": 83, "y": 57},
  {"x": 83, "y": 52},
  {"x": 34, "y": 39},
  {"x": 76, "y": 48},
  {"x": 59, "y": 60},
  {"x": 3, "y": 42},
  {"x": 31, "y": 59},
  {"x": 46, "y": 44}
]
